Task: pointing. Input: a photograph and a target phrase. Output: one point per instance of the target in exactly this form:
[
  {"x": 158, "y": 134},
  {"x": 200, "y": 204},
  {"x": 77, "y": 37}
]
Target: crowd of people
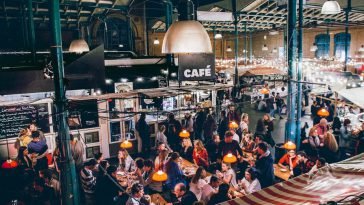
[{"x": 328, "y": 140}]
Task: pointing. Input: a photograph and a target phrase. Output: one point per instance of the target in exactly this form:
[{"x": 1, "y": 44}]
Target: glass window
[
  {"x": 91, "y": 151},
  {"x": 92, "y": 137},
  {"x": 115, "y": 131},
  {"x": 323, "y": 45},
  {"x": 339, "y": 48}
]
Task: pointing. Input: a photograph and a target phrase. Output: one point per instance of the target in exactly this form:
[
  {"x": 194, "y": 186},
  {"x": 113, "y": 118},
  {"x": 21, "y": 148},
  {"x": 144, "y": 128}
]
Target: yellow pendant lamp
[
  {"x": 159, "y": 176},
  {"x": 184, "y": 134},
  {"x": 264, "y": 91},
  {"x": 229, "y": 158},
  {"x": 126, "y": 144},
  {"x": 233, "y": 125},
  {"x": 323, "y": 112},
  {"x": 289, "y": 146}
]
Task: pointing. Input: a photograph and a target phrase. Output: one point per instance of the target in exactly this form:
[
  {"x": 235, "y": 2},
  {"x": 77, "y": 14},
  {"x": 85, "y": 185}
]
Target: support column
[
  {"x": 69, "y": 182},
  {"x": 31, "y": 29},
  {"x": 214, "y": 33},
  {"x": 130, "y": 33},
  {"x": 245, "y": 44},
  {"x": 236, "y": 43},
  {"x": 299, "y": 74},
  {"x": 146, "y": 36},
  {"x": 347, "y": 10},
  {"x": 292, "y": 46},
  {"x": 251, "y": 46},
  {"x": 169, "y": 10}
]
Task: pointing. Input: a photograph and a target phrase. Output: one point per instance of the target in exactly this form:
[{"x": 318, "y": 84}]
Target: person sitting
[
  {"x": 186, "y": 151},
  {"x": 137, "y": 195},
  {"x": 230, "y": 146},
  {"x": 247, "y": 143},
  {"x": 160, "y": 160},
  {"x": 330, "y": 149},
  {"x": 150, "y": 186},
  {"x": 139, "y": 164},
  {"x": 184, "y": 196},
  {"x": 250, "y": 183},
  {"x": 321, "y": 162},
  {"x": 162, "y": 138},
  {"x": 200, "y": 157},
  {"x": 103, "y": 165},
  {"x": 88, "y": 181},
  {"x": 221, "y": 196},
  {"x": 173, "y": 171},
  {"x": 106, "y": 189},
  {"x": 209, "y": 189},
  {"x": 38, "y": 150},
  {"x": 212, "y": 148},
  {"x": 290, "y": 159},
  {"x": 227, "y": 175},
  {"x": 198, "y": 182},
  {"x": 264, "y": 165},
  {"x": 126, "y": 163},
  {"x": 304, "y": 164}
]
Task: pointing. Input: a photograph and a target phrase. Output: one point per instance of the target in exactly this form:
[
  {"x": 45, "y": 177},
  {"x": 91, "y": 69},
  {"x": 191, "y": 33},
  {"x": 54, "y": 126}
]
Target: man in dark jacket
[
  {"x": 200, "y": 118},
  {"x": 144, "y": 132},
  {"x": 264, "y": 165},
  {"x": 174, "y": 128},
  {"x": 184, "y": 196},
  {"x": 223, "y": 124}
]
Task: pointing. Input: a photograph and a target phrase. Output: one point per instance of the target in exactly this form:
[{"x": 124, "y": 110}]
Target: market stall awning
[
  {"x": 354, "y": 95},
  {"x": 331, "y": 183},
  {"x": 263, "y": 71}
]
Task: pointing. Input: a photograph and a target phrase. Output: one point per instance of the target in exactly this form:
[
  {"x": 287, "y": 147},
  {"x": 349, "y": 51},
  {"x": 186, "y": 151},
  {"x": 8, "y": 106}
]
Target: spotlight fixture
[
  {"x": 218, "y": 36},
  {"x": 156, "y": 41}
]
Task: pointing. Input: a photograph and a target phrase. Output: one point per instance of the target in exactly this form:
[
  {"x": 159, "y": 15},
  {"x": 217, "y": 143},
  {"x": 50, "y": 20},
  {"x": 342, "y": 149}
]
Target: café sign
[{"x": 196, "y": 67}]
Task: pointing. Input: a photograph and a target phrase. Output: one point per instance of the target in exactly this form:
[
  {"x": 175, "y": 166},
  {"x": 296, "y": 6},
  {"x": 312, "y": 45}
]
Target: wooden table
[
  {"x": 157, "y": 198},
  {"x": 282, "y": 175}
]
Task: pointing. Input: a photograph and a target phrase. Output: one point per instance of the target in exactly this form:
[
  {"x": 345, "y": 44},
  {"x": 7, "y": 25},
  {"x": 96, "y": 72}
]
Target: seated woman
[
  {"x": 187, "y": 149},
  {"x": 198, "y": 182},
  {"x": 227, "y": 175},
  {"x": 161, "y": 138},
  {"x": 250, "y": 183},
  {"x": 139, "y": 164},
  {"x": 200, "y": 157},
  {"x": 290, "y": 159},
  {"x": 174, "y": 171},
  {"x": 247, "y": 143},
  {"x": 126, "y": 163}
]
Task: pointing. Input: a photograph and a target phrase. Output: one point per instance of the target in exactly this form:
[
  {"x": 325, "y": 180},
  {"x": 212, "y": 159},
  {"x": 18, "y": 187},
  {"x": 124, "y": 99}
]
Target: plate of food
[{"x": 283, "y": 169}]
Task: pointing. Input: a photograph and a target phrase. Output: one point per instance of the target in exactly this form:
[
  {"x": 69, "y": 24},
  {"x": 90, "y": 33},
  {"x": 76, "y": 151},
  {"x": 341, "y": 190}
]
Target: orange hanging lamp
[
  {"x": 184, "y": 134},
  {"x": 323, "y": 112},
  {"x": 9, "y": 164},
  {"x": 233, "y": 125},
  {"x": 289, "y": 146},
  {"x": 264, "y": 91},
  {"x": 126, "y": 144},
  {"x": 160, "y": 176},
  {"x": 229, "y": 158}
]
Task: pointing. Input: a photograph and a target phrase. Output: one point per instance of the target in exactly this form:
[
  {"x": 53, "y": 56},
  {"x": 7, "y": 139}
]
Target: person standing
[
  {"x": 233, "y": 115},
  {"x": 38, "y": 149},
  {"x": 88, "y": 181},
  {"x": 77, "y": 151},
  {"x": 200, "y": 118},
  {"x": 209, "y": 127},
  {"x": 223, "y": 124},
  {"x": 264, "y": 165},
  {"x": 188, "y": 123},
  {"x": 174, "y": 128},
  {"x": 144, "y": 132}
]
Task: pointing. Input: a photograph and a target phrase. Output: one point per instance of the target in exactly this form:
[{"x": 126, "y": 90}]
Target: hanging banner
[{"x": 196, "y": 67}]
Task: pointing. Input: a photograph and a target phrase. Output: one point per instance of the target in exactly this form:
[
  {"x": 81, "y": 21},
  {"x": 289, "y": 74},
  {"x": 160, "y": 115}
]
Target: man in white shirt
[{"x": 209, "y": 189}]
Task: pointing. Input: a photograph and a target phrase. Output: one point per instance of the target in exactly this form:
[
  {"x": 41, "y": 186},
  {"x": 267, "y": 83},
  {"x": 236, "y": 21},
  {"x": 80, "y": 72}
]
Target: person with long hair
[
  {"x": 268, "y": 123},
  {"x": 186, "y": 151},
  {"x": 200, "y": 156},
  {"x": 198, "y": 182},
  {"x": 250, "y": 183},
  {"x": 161, "y": 138},
  {"x": 23, "y": 159},
  {"x": 244, "y": 123},
  {"x": 248, "y": 143},
  {"x": 330, "y": 149},
  {"x": 315, "y": 144},
  {"x": 126, "y": 163},
  {"x": 173, "y": 171},
  {"x": 227, "y": 175}
]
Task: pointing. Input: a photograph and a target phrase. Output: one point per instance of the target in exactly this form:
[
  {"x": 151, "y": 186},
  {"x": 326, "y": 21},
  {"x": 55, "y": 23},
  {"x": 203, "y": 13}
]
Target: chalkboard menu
[{"x": 16, "y": 117}]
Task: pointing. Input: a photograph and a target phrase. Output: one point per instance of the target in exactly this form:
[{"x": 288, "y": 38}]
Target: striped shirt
[{"x": 88, "y": 181}]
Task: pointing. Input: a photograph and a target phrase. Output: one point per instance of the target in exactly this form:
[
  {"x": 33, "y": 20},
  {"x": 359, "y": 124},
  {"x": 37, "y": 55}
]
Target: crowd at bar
[{"x": 195, "y": 160}]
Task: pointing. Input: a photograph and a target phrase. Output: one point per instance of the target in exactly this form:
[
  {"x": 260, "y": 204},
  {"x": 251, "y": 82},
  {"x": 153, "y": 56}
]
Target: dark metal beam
[
  {"x": 236, "y": 44},
  {"x": 31, "y": 29},
  {"x": 347, "y": 11},
  {"x": 299, "y": 73}
]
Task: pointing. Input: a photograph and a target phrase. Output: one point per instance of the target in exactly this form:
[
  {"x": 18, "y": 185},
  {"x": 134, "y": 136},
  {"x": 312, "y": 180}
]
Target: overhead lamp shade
[
  {"x": 9, "y": 164},
  {"x": 265, "y": 48},
  {"x": 218, "y": 36},
  {"x": 229, "y": 49},
  {"x": 289, "y": 146},
  {"x": 159, "y": 176},
  {"x": 79, "y": 46},
  {"x": 126, "y": 144},
  {"x": 184, "y": 134},
  {"x": 264, "y": 91},
  {"x": 156, "y": 41},
  {"x": 186, "y": 37},
  {"x": 331, "y": 7},
  {"x": 323, "y": 112},
  {"x": 230, "y": 158},
  {"x": 361, "y": 49},
  {"x": 233, "y": 125},
  {"x": 273, "y": 32},
  {"x": 274, "y": 50},
  {"x": 313, "y": 48}
]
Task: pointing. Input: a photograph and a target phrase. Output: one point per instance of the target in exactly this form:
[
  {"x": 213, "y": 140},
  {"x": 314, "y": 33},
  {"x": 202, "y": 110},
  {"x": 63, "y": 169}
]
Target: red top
[
  {"x": 200, "y": 154},
  {"x": 285, "y": 160}
]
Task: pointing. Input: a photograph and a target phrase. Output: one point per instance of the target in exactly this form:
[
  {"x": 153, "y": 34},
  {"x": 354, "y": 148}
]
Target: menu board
[{"x": 16, "y": 117}]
